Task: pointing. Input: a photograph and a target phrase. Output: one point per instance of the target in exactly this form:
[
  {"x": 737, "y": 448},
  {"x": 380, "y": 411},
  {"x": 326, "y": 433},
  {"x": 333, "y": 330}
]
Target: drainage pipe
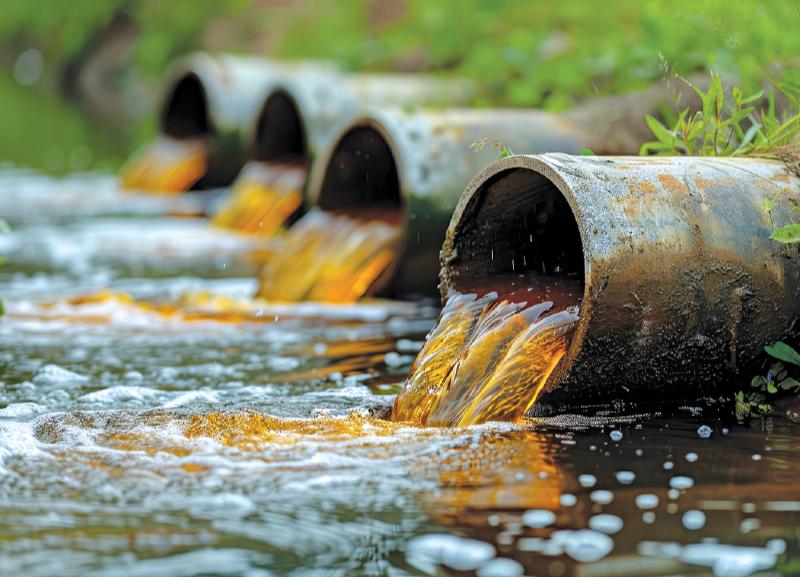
[
  {"x": 415, "y": 164},
  {"x": 682, "y": 286}
]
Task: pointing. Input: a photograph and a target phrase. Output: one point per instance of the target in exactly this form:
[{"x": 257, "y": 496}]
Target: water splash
[
  {"x": 167, "y": 165},
  {"x": 263, "y": 198},
  {"x": 331, "y": 258},
  {"x": 486, "y": 360}
]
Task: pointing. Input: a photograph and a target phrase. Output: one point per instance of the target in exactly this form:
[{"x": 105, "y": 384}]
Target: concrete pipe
[
  {"x": 416, "y": 164},
  {"x": 682, "y": 287}
]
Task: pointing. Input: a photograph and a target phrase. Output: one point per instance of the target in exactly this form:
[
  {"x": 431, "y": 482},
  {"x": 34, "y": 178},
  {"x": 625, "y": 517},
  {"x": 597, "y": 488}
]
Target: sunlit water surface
[{"x": 139, "y": 443}]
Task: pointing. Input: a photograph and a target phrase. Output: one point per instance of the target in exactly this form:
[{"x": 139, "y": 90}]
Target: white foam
[
  {"x": 53, "y": 375},
  {"x": 193, "y": 397},
  {"x": 120, "y": 394},
  {"x": 21, "y": 411}
]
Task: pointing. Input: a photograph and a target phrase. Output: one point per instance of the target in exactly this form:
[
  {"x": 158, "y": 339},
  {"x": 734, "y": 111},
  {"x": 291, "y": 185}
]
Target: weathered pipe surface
[
  {"x": 216, "y": 97},
  {"x": 683, "y": 287},
  {"x": 417, "y": 163},
  {"x": 299, "y": 116}
]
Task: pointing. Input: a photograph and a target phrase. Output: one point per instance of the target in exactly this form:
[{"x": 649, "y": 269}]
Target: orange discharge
[
  {"x": 487, "y": 359},
  {"x": 330, "y": 258},
  {"x": 167, "y": 165},
  {"x": 263, "y": 198}
]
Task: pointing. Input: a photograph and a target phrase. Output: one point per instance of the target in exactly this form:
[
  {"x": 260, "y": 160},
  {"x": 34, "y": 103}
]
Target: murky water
[{"x": 257, "y": 442}]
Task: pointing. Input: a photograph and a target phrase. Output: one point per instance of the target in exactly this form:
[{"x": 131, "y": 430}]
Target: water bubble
[
  {"x": 649, "y": 517},
  {"x": 616, "y": 435},
  {"x": 777, "y": 546},
  {"x": 587, "y": 546},
  {"x": 750, "y": 524},
  {"x": 455, "y": 552},
  {"x": 647, "y": 501},
  {"x": 681, "y": 482},
  {"x": 602, "y": 497},
  {"x": 748, "y": 507},
  {"x": 691, "y": 457},
  {"x": 501, "y": 567},
  {"x": 625, "y": 477},
  {"x": 704, "y": 432},
  {"x": 538, "y": 518},
  {"x": 756, "y": 457},
  {"x": 673, "y": 493},
  {"x": 605, "y": 523},
  {"x": 587, "y": 480},
  {"x": 494, "y": 520},
  {"x": 694, "y": 519},
  {"x": 672, "y": 508},
  {"x": 668, "y": 465},
  {"x": 567, "y": 500},
  {"x": 639, "y": 452}
]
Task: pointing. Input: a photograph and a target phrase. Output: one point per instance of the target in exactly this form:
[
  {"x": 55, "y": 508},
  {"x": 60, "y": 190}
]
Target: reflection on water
[
  {"x": 262, "y": 199},
  {"x": 138, "y": 444},
  {"x": 167, "y": 165}
]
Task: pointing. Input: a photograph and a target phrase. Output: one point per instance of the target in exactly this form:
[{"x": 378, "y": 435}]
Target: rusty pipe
[
  {"x": 682, "y": 286},
  {"x": 416, "y": 163}
]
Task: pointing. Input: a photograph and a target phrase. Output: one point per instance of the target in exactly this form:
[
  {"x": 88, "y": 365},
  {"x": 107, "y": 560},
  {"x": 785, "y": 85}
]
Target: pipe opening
[
  {"x": 280, "y": 135},
  {"x": 516, "y": 224},
  {"x": 361, "y": 175},
  {"x": 186, "y": 112}
]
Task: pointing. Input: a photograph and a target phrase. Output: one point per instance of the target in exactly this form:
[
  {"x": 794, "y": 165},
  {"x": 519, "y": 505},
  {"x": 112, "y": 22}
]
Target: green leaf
[
  {"x": 755, "y": 96},
  {"x": 771, "y": 388},
  {"x": 506, "y": 152},
  {"x": 787, "y": 234},
  {"x": 789, "y": 383},
  {"x": 586, "y": 152},
  {"x": 737, "y": 95},
  {"x": 784, "y": 352},
  {"x": 659, "y": 130},
  {"x": 649, "y": 147},
  {"x": 790, "y": 81},
  {"x": 758, "y": 381}
]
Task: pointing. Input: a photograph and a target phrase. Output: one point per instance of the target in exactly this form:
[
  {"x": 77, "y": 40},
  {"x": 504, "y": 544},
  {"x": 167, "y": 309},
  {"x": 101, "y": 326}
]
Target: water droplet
[
  {"x": 649, "y": 517},
  {"x": 538, "y": 518},
  {"x": 616, "y": 435},
  {"x": 602, "y": 497},
  {"x": 647, "y": 501},
  {"x": 608, "y": 524},
  {"x": 587, "y": 480},
  {"x": 625, "y": 477},
  {"x": 587, "y": 545},
  {"x": 691, "y": 457},
  {"x": 756, "y": 457},
  {"x": 681, "y": 482},
  {"x": 567, "y": 500},
  {"x": 668, "y": 465},
  {"x": 694, "y": 519},
  {"x": 704, "y": 432}
]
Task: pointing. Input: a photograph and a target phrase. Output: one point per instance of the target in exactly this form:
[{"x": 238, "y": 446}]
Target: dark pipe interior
[
  {"x": 519, "y": 222},
  {"x": 361, "y": 174},
  {"x": 186, "y": 112},
  {"x": 279, "y": 132}
]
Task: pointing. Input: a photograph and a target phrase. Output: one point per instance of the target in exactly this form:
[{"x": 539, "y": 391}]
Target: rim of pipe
[
  {"x": 280, "y": 132},
  {"x": 185, "y": 108},
  {"x": 469, "y": 204},
  {"x": 326, "y": 191}
]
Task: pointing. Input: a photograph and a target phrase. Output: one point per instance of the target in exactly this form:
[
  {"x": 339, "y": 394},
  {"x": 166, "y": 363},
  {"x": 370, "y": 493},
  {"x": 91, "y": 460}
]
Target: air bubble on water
[
  {"x": 649, "y": 517},
  {"x": 749, "y": 524},
  {"x": 602, "y": 497},
  {"x": 681, "y": 482},
  {"x": 494, "y": 520},
  {"x": 691, "y": 457},
  {"x": 608, "y": 524},
  {"x": 587, "y": 480},
  {"x": 501, "y": 567},
  {"x": 567, "y": 500},
  {"x": 673, "y": 494},
  {"x": 777, "y": 546},
  {"x": 616, "y": 435},
  {"x": 668, "y": 465},
  {"x": 756, "y": 457},
  {"x": 647, "y": 501},
  {"x": 625, "y": 477},
  {"x": 639, "y": 452},
  {"x": 538, "y": 518},
  {"x": 694, "y": 519},
  {"x": 455, "y": 552},
  {"x": 704, "y": 432},
  {"x": 587, "y": 546}
]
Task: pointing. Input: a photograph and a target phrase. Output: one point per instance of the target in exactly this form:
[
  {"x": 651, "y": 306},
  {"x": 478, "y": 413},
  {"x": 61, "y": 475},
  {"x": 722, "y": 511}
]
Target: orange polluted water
[
  {"x": 167, "y": 165},
  {"x": 333, "y": 258},
  {"x": 263, "y": 198},
  {"x": 487, "y": 359}
]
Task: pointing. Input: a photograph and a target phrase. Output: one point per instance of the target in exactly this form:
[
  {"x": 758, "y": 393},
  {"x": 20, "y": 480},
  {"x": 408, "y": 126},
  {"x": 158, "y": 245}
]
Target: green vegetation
[{"x": 777, "y": 383}]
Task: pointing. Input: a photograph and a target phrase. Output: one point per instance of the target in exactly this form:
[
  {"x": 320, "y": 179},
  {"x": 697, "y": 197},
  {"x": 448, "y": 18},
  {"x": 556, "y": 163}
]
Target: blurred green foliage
[{"x": 535, "y": 53}]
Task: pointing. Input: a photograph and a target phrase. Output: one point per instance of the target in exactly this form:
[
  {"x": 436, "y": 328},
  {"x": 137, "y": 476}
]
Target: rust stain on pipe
[{"x": 682, "y": 286}]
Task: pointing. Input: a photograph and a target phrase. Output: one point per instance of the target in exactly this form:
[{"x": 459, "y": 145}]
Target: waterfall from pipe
[
  {"x": 167, "y": 164},
  {"x": 490, "y": 354},
  {"x": 332, "y": 257}
]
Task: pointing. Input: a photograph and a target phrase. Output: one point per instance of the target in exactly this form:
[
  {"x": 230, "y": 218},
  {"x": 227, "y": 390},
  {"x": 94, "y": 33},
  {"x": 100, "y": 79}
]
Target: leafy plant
[
  {"x": 721, "y": 129},
  {"x": 775, "y": 384},
  {"x": 498, "y": 145}
]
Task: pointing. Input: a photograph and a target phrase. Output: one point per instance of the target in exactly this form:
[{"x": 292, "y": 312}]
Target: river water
[{"x": 140, "y": 441}]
